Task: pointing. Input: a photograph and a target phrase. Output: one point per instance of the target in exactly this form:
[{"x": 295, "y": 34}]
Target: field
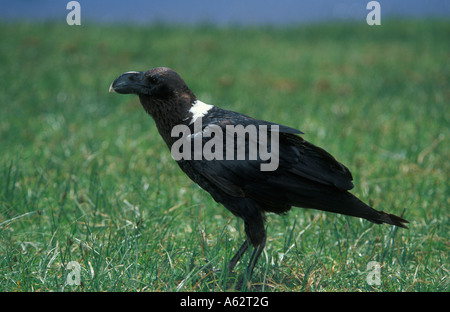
[{"x": 85, "y": 177}]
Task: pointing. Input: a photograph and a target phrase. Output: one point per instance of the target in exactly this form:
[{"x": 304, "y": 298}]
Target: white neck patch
[{"x": 199, "y": 109}]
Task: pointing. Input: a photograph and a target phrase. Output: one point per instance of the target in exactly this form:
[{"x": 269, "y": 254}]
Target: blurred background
[
  {"x": 232, "y": 12},
  {"x": 85, "y": 176}
]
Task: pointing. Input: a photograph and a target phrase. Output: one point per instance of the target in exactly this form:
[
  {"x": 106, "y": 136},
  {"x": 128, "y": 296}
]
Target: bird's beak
[
  {"x": 111, "y": 89},
  {"x": 129, "y": 82}
]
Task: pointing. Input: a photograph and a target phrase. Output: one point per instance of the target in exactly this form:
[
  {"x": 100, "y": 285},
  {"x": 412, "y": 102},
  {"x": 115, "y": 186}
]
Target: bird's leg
[
  {"x": 242, "y": 283},
  {"x": 254, "y": 258},
  {"x": 237, "y": 256}
]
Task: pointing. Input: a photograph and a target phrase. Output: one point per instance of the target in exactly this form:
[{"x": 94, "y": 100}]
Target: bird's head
[
  {"x": 162, "y": 93},
  {"x": 160, "y": 83}
]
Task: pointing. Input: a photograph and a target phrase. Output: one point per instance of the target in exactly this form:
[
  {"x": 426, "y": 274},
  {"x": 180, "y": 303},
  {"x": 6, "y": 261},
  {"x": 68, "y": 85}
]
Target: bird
[{"x": 303, "y": 175}]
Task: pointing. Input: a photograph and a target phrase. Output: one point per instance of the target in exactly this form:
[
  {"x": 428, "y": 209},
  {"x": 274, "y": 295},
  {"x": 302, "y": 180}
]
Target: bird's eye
[{"x": 152, "y": 79}]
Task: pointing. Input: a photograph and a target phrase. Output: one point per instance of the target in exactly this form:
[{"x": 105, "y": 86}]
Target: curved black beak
[{"x": 129, "y": 82}]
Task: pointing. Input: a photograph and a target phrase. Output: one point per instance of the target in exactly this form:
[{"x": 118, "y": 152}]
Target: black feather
[{"x": 307, "y": 176}]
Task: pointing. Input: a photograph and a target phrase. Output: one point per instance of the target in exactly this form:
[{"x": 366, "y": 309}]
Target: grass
[{"x": 85, "y": 177}]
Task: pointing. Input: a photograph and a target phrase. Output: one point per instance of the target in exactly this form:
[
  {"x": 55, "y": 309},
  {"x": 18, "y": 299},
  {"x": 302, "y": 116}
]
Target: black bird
[{"x": 306, "y": 175}]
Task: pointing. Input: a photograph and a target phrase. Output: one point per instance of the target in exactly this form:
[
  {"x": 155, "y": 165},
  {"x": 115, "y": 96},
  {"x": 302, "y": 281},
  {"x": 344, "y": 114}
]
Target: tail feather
[
  {"x": 391, "y": 219},
  {"x": 348, "y": 204},
  {"x": 359, "y": 209}
]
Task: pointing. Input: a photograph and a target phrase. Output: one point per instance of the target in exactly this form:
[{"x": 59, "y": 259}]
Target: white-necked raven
[{"x": 306, "y": 175}]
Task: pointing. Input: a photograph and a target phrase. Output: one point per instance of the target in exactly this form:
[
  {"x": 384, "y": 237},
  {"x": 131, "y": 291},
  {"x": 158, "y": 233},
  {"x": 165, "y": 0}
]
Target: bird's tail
[
  {"x": 388, "y": 218},
  {"x": 348, "y": 204},
  {"x": 373, "y": 215},
  {"x": 355, "y": 207}
]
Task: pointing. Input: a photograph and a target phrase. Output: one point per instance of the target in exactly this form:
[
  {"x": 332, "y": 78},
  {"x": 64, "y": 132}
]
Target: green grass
[{"x": 84, "y": 175}]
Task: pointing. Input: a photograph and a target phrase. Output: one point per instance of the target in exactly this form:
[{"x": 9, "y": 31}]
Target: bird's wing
[
  {"x": 302, "y": 165},
  {"x": 316, "y": 164}
]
